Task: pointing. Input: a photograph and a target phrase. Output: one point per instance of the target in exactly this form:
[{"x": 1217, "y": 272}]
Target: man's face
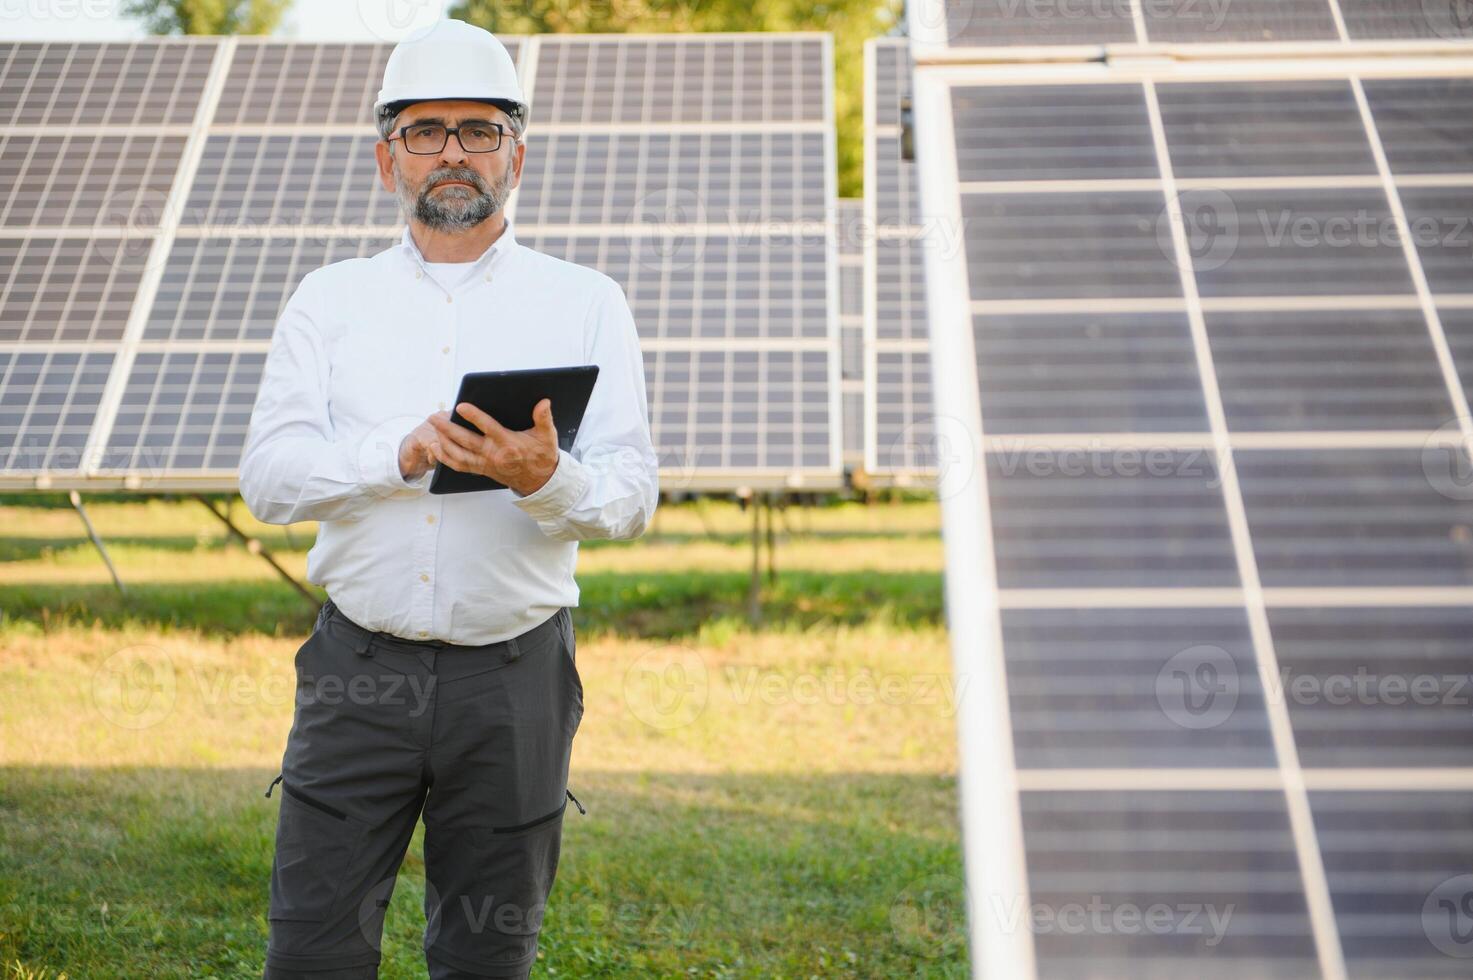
[{"x": 451, "y": 190}]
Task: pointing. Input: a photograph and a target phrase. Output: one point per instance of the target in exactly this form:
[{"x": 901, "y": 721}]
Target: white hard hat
[{"x": 451, "y": 60}]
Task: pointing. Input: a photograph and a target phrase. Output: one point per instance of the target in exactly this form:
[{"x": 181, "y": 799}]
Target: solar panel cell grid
[
  {"x": 298, "y": 179},
  {"x": 184, "y": 410},
  {"x": 1222, "y": 864},
  {"x": 643, "y": 80},
  {"x": 68, "y": 289},
  {"x": 233, "y": 289},
  {"x": 672, "y": 178},
  {"x": 1126, "y": 372},
  {"x": 59, "y": 84},
  {"x": 48, "y": 403},
  {"x": 1103, "y": 688},
  {"x": 85, "y": 180}
]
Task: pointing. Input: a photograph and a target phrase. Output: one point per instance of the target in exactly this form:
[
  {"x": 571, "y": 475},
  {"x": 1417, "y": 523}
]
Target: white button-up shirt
[{"x": 363, "y": 353}]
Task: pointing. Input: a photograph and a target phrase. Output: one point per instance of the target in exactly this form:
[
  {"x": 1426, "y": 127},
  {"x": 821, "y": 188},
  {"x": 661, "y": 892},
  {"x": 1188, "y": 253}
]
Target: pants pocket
[
  {"x": 518, "y": 866},
  {"x": 316, "y": 844}
]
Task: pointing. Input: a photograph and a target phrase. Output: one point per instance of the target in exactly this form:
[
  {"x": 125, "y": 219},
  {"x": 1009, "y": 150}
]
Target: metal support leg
[
  {"x": 254, "y": 546},
  {"x": 771, "y": 539},
  {"x": 754, "y": 591},
  {"x": 76, "y": 499}
]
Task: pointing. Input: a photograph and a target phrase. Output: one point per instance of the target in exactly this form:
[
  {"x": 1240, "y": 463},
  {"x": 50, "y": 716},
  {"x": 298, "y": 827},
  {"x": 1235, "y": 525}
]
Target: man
[{"x": 440, "y": 674}]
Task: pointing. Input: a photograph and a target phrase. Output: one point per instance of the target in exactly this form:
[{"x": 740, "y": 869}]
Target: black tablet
[{"x": 509, "y": 397}]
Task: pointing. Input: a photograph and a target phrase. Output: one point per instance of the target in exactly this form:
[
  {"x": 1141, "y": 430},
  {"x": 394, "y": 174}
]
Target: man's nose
[{"x": 454, "y": 154}]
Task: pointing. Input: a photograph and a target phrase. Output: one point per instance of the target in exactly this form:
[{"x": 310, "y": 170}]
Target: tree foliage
[
  {"x": 207, "y": 16},
  {"x": 851, "y": 21}
]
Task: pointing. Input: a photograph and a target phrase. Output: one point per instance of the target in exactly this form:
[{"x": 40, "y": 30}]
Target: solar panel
[
  {"x": 291, "y": 179},
  {"x": 693, "y": 78},
  {"x": 901, "y": 444},
  {"x": 167, "y": 196},
  {"x": 849, "y": 227},
  {"x": 698, "y": 171},
  {"x": 73, "y": 180},
  {"x": 1203, "y": 357},
  {"x": 48, "y": 403},
  {"x": 115, "y": 84},
  {"x": 1012, "y": 24}
]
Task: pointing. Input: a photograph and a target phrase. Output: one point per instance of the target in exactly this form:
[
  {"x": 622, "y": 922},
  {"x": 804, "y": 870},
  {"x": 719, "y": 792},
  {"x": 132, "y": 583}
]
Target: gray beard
[{"x": 455, "y": 208}]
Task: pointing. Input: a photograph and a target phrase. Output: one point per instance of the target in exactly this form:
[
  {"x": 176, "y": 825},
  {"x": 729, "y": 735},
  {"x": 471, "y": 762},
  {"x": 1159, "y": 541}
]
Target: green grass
[{"x": 767, "y": 833}]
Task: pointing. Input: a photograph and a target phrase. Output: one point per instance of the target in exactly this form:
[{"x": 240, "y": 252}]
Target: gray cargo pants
[{"x": 476, "y": 737}]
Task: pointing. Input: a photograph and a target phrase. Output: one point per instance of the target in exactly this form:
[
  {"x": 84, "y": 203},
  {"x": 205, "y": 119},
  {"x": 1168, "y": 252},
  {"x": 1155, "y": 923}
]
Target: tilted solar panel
[{"x": 1205, "y": 349}]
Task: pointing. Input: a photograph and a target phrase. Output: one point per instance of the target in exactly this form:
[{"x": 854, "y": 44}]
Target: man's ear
[
  {"x": 517, "y": 156},
  {"x": 383, "y": 154}
]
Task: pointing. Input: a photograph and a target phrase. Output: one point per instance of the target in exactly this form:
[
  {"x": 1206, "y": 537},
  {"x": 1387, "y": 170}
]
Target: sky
[{"x": 330, "y": 20}]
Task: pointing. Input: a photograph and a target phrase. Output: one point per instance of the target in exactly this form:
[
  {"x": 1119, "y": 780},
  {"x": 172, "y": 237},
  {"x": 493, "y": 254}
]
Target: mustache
[{"x": 446, "y": 175}]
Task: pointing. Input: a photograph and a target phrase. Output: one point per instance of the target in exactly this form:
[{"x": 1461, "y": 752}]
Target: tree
[
  {"x": 851, "y": 21},
  {"x": 207, "y": 16}
]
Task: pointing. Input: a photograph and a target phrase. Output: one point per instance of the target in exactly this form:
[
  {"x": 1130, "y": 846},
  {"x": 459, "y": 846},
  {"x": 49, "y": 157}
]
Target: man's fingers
[
  {"x": 456, "y": 434},
  {"x": 492, "y": 428},
  {"x": 542, "y": 421}
]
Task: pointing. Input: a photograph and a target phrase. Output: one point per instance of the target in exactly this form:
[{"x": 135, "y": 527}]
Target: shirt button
[
  {"x": 424, "y": 632},
  {"x": 429, "y": 518},
  {"x": 442, "y": 405},
  {"x": 424, "y": 578},
  {"x": 450, "y": 299},
  {"x": 488, "y": 277},
  {"x": 444, "y": 350},
  {"x": 418, "y": 274}
]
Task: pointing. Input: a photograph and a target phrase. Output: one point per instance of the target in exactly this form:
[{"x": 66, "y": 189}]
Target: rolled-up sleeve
[
  {"x": 609, "y": 484},
  {"x": 292, "y": 468}
]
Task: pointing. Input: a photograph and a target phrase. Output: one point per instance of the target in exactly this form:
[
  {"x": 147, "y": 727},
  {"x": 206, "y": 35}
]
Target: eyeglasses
[{"x": 426, "y": 138}]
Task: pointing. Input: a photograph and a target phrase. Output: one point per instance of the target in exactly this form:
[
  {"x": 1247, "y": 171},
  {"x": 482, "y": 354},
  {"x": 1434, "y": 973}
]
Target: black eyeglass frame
[{"x": 448, "y": 130}]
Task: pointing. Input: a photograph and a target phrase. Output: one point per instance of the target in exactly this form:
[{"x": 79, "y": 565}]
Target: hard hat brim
[{"x": 509, "y": 106}]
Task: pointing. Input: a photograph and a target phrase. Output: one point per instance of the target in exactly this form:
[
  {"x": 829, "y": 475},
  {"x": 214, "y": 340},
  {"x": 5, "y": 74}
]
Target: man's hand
[
  {"x": 524, "y": 460},
  {"x": 415, "y": 456}
]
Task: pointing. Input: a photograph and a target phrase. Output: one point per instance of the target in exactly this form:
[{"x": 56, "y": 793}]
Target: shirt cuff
[
  {"x": 378, "y": 465},
  {"x": 561, "y": 491}
]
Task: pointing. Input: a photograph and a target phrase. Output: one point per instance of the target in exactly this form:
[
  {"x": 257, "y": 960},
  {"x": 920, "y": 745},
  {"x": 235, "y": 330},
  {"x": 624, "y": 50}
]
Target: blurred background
[{"x": 1063, "y": 418}]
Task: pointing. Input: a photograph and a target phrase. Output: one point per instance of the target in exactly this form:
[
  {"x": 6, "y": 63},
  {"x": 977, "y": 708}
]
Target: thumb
[{"x": 542, "y": 420}]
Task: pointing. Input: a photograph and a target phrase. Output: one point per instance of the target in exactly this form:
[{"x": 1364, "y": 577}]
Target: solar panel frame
[
  {"x": 900, "y": 433},
  {"x": 995, "y": 787},
  {"x": 692, "y": 235}
]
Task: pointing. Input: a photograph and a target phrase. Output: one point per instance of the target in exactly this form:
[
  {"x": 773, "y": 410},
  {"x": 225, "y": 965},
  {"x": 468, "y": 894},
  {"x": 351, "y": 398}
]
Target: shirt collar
[{"x": 505, "y": 243}]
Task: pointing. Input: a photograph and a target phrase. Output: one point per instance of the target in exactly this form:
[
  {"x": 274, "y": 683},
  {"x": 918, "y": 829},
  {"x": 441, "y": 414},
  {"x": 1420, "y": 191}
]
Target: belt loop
[{"x": 513, "y": 650}]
